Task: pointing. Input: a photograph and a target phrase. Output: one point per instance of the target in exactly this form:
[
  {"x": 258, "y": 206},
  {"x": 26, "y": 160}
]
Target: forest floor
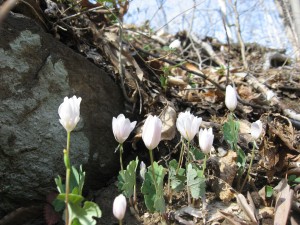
[{"x": 162, "y": 81}]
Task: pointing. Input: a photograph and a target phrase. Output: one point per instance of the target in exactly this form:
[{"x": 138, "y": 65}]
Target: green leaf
[
  {"x": 163, "y": 81},
  {"x": 84, "y": 215},
  {"x": 231, "y": 132},
  {"x": 241, "y": 161},
  {"x": 58, "y": 205},
  {"x": 269, "y": 191},
  {"x": 127, "y": 179},
  {"x": 59, "y": 184},
  {"x": 77, "y": 179},
  {"x": 177, "y": 180},
  {"x": 195, "y": 183},
  {"x": 73, "y": 198},
  {"x": 76, "y": 222},
  {"x": 292, "y": 177},
  {"x": 297, "y": 180},
  {"x": 196, "y": 154},
  {"x": 153, "y": 197}
]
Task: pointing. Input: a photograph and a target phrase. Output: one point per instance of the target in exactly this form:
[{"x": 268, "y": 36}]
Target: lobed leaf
[
  {"x": 84, "y": 215},
  {"x": 127, "y": 179},
  {"x": 177, "y": 180},
  {"x": 153, "y": 197},
  {"x": 195, "y": 183}
]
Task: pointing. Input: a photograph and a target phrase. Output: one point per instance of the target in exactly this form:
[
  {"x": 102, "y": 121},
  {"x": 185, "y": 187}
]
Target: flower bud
[
  {"x": 188, "y": 125},
  {"x": 175, "y": 44},
  {"x": 230, "y": 98},
  {"x": 206, "y": 139},
  {"x": 152, "y": 132},
  {"x": 256, "y": 129},
  {"x": 119, "y": 207},
  {"x": 69, "y": 112},
  {"x": 122, "y": 128},
  {"x": 143, "y": 170}
]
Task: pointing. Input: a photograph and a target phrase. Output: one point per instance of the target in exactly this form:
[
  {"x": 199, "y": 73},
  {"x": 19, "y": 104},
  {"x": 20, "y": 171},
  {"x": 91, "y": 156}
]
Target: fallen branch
[{"x": 271, "y": 96}]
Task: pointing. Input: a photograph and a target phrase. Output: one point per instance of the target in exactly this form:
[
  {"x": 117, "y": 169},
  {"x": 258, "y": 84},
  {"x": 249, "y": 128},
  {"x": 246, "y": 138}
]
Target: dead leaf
[
  {"x": 228, "y": 170},
  {"x": 168, "y": 118},
  {"x": 283, "y": 202},
  {"x": 248, "y": 209},
  {"x": 234, "y": 220}
]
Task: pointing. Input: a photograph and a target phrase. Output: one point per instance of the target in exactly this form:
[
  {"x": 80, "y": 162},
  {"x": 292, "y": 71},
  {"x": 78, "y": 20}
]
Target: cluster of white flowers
[{"x": 187, "y": 124}]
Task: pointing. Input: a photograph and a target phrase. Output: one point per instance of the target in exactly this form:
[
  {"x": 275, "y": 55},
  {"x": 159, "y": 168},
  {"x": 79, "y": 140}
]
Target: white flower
[
  {"x": 256, "y": 129},
  {"x": 270, "y": 95},
  {"x": 206, "y": 139},
  {"x": 230, "y": 98},
  {"x": 69, "y": 112},
  {"x": 143, "y": 170},
  {"x": 122, "y": 128},
  {"x": 175, "y": 44},
  {"x": 152, "y": 132},
  {"x": 188, "y": 125},
  {"x": 119, "y": 207}
]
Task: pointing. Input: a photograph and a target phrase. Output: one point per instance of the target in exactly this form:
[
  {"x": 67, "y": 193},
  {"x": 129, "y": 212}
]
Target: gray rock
[{"x": 36, "y": 73}]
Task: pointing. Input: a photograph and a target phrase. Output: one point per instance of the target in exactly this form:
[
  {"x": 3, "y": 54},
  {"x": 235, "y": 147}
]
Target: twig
[
  {"x": 6, "y": 7},
  {"x": 83, "y": 12},
  {"x": 229, "y": 49},
  {"x": 180, "y": 66},
  {"x": 209, "y": 50},
  {"x": 166, "y": 24},
  {"x": 239, "y": 34},
  {"x": 220, "y": 87}
]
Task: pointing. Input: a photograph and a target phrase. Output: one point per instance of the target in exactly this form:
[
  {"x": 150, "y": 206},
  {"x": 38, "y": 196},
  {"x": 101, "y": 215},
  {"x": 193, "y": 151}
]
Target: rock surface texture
[{"x": 36, "y": 73}]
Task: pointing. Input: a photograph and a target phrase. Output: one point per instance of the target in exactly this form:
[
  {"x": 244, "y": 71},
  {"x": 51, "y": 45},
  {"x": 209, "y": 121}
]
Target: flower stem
[
  {"x": 188, "y": 153},
  {"x": 186, "y": 165},
  {"x": 121, "y": 160},
  {"x": 68, "y": 170},
  {"x": 152, "y": 166},
  {"x": 250, "y": 165},
  {"x": 180, "y": 157},
  {"x": 120, "y": 222},
  {"x": 204, "y": 164}
]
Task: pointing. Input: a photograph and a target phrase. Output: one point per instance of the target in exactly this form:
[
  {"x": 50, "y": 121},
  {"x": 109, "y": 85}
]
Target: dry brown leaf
[
  {"x": 283, "y": 202},
  {"x": 228, "y": 170},
  {"x": 168, "y": 118},
  {"x": 234, "y": 220},
  {"x": 245, "y": 92},
  {"x": 266, "y": 212},
  {"x": 248, "y": 209},
  {"x": 210, "y": 96},
  {"x": 177, "y": 81},
  {"x": 192, "y": 67}
]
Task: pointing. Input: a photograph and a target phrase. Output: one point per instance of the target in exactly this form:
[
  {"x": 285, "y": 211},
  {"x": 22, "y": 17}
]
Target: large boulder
[{"x": 36, "y": 73}]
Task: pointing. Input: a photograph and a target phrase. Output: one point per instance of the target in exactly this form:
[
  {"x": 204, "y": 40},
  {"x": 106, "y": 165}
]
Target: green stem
[
  {"x": 204, "y": 164},
  {"x": 186, "y": 166},
  {"x": 188, "y": 153},
  {"x": 134, "y": 196},
  {"x": 121, "y": 160},
  {"x": 152, "y": 166},
  {"x": 180, "y": 157},
  {"x": 68, "y": 171},
  {"x": 250, "y": 165},
  {"x": 120, "y": 222}
]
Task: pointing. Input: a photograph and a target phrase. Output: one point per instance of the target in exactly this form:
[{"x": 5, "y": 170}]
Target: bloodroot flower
[
  {"x": 119, "y": 207},
  {"x": 69, "y": 112},
  {"x": 188, "y": 125},
  {"x": 206, "y": 139},
  {"x": 122, "y": 128},
  {"x": 175, "y": 44},
  {"x": 152, "y": 132},
  {"x": 256, "y": 129},
  {"x": 230, "y": 98}
]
